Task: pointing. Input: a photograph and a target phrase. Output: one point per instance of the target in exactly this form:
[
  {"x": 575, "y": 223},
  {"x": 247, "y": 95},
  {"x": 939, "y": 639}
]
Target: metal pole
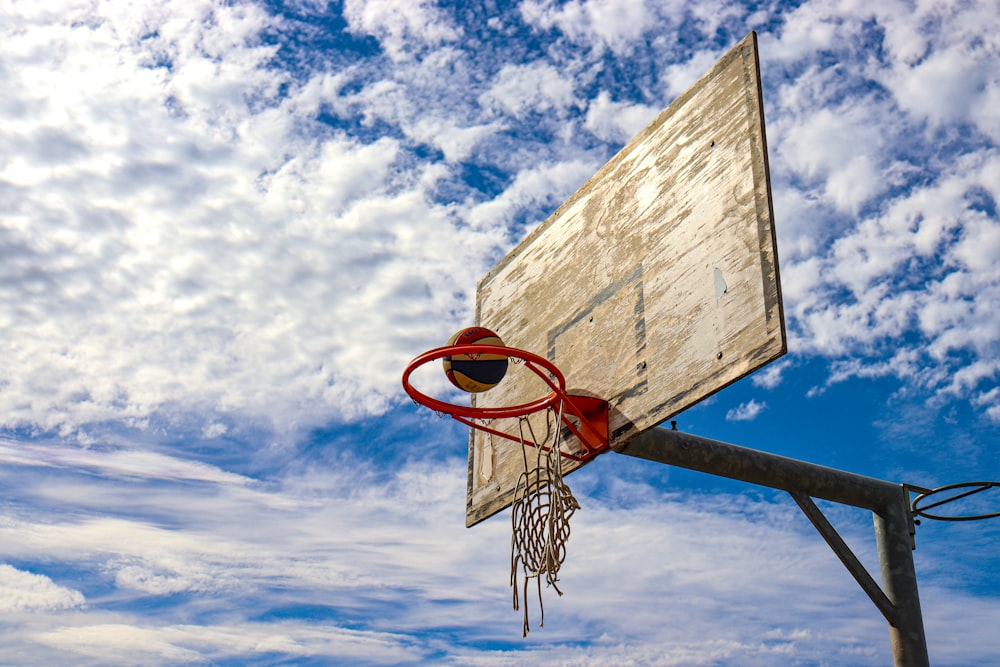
[
  {"x": 887, "y": 501},
  {"x": 894, "y": 535},
  {"x": 693, "y": 452}
]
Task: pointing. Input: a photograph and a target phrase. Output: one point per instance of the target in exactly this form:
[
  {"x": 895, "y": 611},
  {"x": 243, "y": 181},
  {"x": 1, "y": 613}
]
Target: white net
[{"x": 543, "y": 505}]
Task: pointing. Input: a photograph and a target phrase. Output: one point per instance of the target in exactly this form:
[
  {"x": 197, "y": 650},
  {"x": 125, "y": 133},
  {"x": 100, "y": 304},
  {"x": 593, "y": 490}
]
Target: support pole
[
  {"x": 887, "y": 501},
  {"x": 894, "y": 535}
]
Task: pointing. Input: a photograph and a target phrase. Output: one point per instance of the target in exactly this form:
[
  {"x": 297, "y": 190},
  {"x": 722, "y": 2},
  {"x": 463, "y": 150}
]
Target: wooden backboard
[{"x": 656, "y": 284}]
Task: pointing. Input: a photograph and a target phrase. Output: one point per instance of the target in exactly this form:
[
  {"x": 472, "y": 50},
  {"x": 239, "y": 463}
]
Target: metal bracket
[
  {"x": 592, "y": 431},
  {"x": 847, "y": 557}
]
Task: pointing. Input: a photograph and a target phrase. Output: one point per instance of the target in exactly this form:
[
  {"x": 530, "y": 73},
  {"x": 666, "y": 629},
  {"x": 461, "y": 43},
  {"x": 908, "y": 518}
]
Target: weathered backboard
[{"x": 655, "y": 285}]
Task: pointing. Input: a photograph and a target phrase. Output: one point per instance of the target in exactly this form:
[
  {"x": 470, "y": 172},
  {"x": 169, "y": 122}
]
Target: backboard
[{"x": 655, "y": 285}]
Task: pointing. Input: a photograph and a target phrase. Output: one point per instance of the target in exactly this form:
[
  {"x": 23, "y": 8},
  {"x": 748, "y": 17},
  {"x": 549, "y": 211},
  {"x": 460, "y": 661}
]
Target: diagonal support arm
[{"x": 847, "y": 557}]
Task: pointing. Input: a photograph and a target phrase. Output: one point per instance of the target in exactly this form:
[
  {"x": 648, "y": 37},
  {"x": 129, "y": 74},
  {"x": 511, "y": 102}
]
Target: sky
[{"x": 226, "y": 227}]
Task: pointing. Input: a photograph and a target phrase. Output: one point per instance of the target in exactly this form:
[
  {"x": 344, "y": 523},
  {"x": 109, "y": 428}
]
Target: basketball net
[{"x": 540, "y": 514}]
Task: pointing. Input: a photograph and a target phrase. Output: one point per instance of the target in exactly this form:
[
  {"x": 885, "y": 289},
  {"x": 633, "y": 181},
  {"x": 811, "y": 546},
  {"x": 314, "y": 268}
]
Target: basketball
[{"x": 475, "y": 372}]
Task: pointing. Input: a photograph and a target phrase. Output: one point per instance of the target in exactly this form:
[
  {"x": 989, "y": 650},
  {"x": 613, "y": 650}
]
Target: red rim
[
  {"x": 534, "y": 362},
  {"x": 592, "y": 431}
]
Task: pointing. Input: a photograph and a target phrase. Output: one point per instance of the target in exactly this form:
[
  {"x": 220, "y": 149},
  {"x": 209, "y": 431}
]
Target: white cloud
[
  {"x": 979, "y": 245},
  {"x": 953, "y": 77},
  {"x": 26, "y": 591},
  {"x": 771, "y": 376},
  {"x": 170, "y": 240},
  {"x": 395, "y": 554},
  {"x": 947, "y": 649},
  {"x": 617, "y": 122},
  {"x": 926, "y": 44},
  {"x": 400, "y": 25},
  {"x": 181, "y": 243},
  {"x": 531, "y": 88},
  {"x": 457, "y": 143},
  {"x": 127, "y": 462},
  {"x": 601, "y": 23},
  {"x": 543, "y": 184},
  {"x": 337, "y": 546},
  {"x": 843, "y": 148},
  {"x": 120, "y": 643},
  {"x": 931, "y": 89},
  {"x": 805, "y": 227},
  {"x": 746, "y": 411},
  {"x": 985, "y": 112},
  {"x": 679, "y": 77},
  {"x": 991, "y": 399},
  {"x": 939, "y": 232}
]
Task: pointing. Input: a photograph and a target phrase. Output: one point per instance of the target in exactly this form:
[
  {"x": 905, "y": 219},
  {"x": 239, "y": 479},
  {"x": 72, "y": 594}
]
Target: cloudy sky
[{"x": 225, "y": 227}]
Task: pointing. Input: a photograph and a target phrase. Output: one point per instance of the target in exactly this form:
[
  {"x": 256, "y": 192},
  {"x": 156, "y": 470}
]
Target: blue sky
[{"x": 226, "y": 227}]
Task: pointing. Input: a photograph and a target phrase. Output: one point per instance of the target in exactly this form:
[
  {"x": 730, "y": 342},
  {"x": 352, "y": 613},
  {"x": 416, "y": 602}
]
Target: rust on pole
[{"x": 898, "y": 598}]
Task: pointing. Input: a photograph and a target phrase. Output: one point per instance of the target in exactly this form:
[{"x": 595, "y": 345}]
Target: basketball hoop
[
  {"x": 591, "y": 413},
  {"x": 542, "y": 503}
]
